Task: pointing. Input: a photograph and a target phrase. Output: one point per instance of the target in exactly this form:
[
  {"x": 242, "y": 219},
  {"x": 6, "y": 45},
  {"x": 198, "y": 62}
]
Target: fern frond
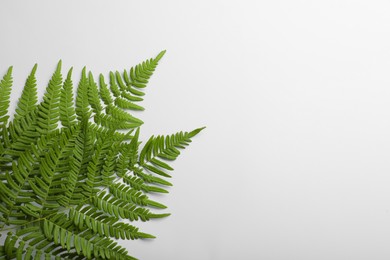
[
  {"x": 125, "y": 104},
  {"x": 67, "y": 110},
  {"x": 14, "y": 192},
  {"x": 48, "y": 109},
  {"x": 42, "y": 185},
  {"x": 68, "y": 190},
  {"x": 29, "y": 99},
  {"x": 149, "y": 178},
  {"x": 139, "y": 184},
  {"x": 122, "y": 209},
  {"x": 95, "y": 178},
  {"x": 90, "y": 218},
  {"x": 5, "y": 93},
  {"x": 132, "y": 150},
  {"x": 30, "y": 243},
  {"x": 141, "y": 73},
  {"x": 118, "y": 113},
  {"x": 78, "y": 163},
  {"x": 104, "y": 92},
  {"x": 103, "y": 131},
  {"x": 125, "y": 192},
  {"x": 132, "y": 95},
  {"x": 82, "y": 100},
  {"x": 164, "y": 148},
  {"x": 127, "y": 92},
  {"x": 93, "y": 95},
  {"x": 32, "y": 118},
  {"x": 108, "y": 169},
  {"x": 111, "y": 122},
  {"x": 23, "y": 132},
  {"x": 57, "y": 230},
  {"x": 113, "y": 86}
]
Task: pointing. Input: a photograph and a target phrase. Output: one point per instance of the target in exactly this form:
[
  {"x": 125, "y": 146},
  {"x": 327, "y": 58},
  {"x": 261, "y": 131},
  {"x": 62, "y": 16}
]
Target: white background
[{"x": 294, "y": 163}]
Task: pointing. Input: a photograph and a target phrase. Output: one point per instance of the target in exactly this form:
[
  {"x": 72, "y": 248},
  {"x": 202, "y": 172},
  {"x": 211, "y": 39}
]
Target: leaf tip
[
  {"x": 160, "y": 55},
  {"x": 196, "y": 131},
  {"x": 145, "y": 235},
  {"x": 70, "y": 73},
  {"x": 34, "y": 69}
]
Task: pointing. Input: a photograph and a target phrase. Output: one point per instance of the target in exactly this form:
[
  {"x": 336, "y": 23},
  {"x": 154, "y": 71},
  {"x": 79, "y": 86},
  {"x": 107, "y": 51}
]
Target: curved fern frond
[{"x": 68, "y": 189}]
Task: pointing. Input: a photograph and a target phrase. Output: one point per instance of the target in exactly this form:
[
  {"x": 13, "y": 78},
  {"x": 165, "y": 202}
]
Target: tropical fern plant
[{"x": 74, "y": 174}]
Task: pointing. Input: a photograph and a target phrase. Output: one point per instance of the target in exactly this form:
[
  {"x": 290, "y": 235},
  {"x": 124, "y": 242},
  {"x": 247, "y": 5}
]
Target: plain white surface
[{"x": 294, "y": 163}]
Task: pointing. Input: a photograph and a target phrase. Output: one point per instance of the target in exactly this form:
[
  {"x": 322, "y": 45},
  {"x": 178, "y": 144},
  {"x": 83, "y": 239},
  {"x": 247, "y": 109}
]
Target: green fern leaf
[
  {"x": 104, "y": 92},
  {"x": 78, "y": 163},
  {"x": 95, "y": 166},
  {"x": 48, "y": 110},
  {"x": 82, "y": 100},
  {"x": 29, "y": 99},
  {"x": 113, "y": 86},
  {"x": 149, "y": 178},
  {"x": 67, "y": 190},
  {"x": 67, "y": 111},
  {"x": 122, "y": 209},
  {"x": 139, "y": 184},
  {"x": 125, "y": 104},
  {"x": 125, "y": 192},
  {"x": 5, "y": 93},
  {"x": 90, "y": 218},
  {"x": 141, "y": 73},
  {"x": 93, "y": 95},
  {"x": 111, "y": 122},
  {"x": 164, "y": 148}
]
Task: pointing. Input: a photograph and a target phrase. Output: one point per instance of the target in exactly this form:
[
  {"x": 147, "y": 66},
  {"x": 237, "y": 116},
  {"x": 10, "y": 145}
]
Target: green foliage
[{"x": 73, "y": 173}]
